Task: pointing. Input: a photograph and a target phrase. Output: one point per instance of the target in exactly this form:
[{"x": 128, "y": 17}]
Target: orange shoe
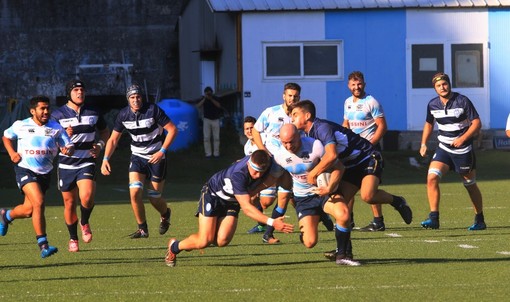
[
  {"x": 170, "y": 257},
  {"x": 86, "y": 233}
]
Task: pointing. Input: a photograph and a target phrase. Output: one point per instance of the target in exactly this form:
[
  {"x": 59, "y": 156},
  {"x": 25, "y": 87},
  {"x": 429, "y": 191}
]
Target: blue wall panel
[
  {"x": 499, "y": 66},
  {"x": 374, "y": 43}
]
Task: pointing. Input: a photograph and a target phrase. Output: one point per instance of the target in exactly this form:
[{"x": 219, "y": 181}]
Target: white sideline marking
[
  {"x": 432, "y": 241},
  {"x": 467, "y": 246},
  {"x": 503, "y": 253},
  {"x": 394, "y": 235}
]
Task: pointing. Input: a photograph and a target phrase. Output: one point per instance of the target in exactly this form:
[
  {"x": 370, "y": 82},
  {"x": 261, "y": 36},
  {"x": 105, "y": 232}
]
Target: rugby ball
[{"x": 323, "y": 180}]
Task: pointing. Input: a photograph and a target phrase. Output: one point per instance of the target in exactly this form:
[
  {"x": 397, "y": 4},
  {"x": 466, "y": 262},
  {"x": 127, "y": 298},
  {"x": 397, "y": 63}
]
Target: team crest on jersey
[
  {"x": 288, "y": 160},
  {"x": 91, "y": 120},
  {"x": 306, "y": 157},
  {"x": 48, "y": 132},
  {"x": 359, "y": 107},
  {"x": 458, "y": 112}
]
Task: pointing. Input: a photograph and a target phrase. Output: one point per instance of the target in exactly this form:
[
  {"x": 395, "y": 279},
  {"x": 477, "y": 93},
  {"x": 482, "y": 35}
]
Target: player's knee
[
  {"x": 367, "y": 197},
  {"x": 136, "y": 185},
  {"x": 153, "y": 194},
  {"x": 469, "y": 182}
]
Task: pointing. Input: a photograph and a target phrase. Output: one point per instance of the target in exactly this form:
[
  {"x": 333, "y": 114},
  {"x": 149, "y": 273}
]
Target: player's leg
[
  {"x": 435, "y": 172},
  {"x": 136, "y": 183},
  {"x": 155, "y": 191},
  {"x": 279, "y": 211},
  {"x": 469, "y": 181},
  {"x": 308, "y": 227},
  {"x": 226, "y": 229},
  {"x": 87, "y": 189},
  {"x": 338, "y": 208}
]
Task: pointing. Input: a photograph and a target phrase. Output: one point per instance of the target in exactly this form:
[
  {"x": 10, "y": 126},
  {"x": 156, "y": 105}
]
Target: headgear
[
  {"x": 440, "y": 76},
  {"x": 133, "y": 89},
  {"x": 71, "y": 85}
]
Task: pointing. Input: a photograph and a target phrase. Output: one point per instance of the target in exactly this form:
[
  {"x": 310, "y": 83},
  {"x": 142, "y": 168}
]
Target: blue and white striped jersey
[
  {"x": 453, "y": 120},
  {"x": 362, "y": 114},
  {"x": 351, "y": 148},
  {"x": 249, "y": 148},
  {"x": 84, "y": 124},
  {"x": 268, "y": 125},
  {"x": 145, "y": 128},
  {"x": 38, "y": 145},
  {"x": 300, "y": 163}
]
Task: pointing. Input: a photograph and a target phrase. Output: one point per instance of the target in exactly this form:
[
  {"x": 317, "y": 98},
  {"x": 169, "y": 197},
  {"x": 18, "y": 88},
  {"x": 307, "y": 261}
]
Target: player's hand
[
  {"x": 105, "y": 168},
  {"x": 156, "y": 157},
  {"x": 96, "y": 149},
  {"x": 281, "y": 226},
  {"x": 423, "y": 150},
  {"x": 311, "y": 179},
  {"x": 69, "y": 131},
  {"x": 322, "y": 191},
  {"x": 67, "y": 150},
  {"x": 15, "y": 158}
]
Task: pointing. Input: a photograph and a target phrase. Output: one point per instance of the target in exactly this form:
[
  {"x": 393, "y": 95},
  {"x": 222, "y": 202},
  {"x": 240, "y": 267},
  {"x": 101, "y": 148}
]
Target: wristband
[
  {"x": 163, "y": 150},
  {"x": 100, "y": 143},
  {"x": 105, "y": 158},
  {"x": 270, "y": 221},
  {"x": 423, "y": 145}
]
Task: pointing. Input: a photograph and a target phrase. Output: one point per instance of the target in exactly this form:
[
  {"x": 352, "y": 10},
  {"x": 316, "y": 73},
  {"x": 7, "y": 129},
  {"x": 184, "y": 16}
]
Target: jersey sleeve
[
  {"x": 161, "y": 116},
  {"x": 376, "y": 108}
]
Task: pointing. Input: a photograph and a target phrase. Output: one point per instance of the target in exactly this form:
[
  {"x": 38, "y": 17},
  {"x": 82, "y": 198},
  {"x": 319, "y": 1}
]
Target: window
[
  {"x": 427, "y": 60},
  {"x": 467, "y": 65},
  {"x": 321, "y": 60}
]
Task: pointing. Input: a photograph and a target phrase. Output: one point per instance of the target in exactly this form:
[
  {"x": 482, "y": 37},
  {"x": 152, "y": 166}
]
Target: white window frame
[{"x": 340, "y": 59}]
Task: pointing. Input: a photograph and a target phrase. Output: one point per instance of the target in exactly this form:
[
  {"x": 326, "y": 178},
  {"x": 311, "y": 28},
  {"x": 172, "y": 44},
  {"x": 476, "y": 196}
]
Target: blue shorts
[
  {"x": 370, "y": 166},
  {"x": 67, "y": 178},
  {"x": 25, "y": 176},
  {"x": 154, "y": 172},
  {"x": 213, "y": 206},
  {"x": 310, "y": 205},
  {"x": 461, "y": 163}
]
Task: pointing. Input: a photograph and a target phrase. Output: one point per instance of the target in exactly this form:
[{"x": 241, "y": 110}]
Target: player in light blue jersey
[
  {"x": 365, "y": 116},
  {"x": 39, "y": 140},
  {"x": 298, "y": 155},
  {"x": 265, "y": 135}
]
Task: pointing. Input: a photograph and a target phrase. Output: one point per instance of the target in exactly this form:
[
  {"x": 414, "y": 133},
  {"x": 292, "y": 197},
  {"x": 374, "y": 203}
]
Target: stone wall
[{"x": 43, "y": 42}]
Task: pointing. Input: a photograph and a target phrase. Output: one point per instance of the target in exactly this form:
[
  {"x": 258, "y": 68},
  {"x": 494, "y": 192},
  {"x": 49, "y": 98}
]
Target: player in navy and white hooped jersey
[
  {"x": 298, "y": 155},
  {"x": 77, "y": 173},
  {"x": 363, "y": 164},
  {"x": 458, "y": 123},
  {"x": 265, "y": 135},
  {"x": 223, "y": 196},
  {"x": 39, "y": 139},
  {"x": 151, "y": 132}
]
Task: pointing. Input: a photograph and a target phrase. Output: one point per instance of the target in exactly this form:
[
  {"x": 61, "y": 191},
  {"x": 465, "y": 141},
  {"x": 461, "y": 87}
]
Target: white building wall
[{"x": 264, "y": 27}]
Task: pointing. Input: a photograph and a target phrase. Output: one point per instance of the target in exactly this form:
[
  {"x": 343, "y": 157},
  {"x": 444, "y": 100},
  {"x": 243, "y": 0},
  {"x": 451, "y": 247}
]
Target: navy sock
[
  {"x": 379, "y": 220},
  {"x": 479, "y": 218},
  {"x": 434, "y": 215},
  {"x": 85, "y": 214},
  {"x": 175, "y": 247},
  {"x": 143, "y": 226},
  {"x": 73, "y": 230},
  {"x": 343, "y": 237}
]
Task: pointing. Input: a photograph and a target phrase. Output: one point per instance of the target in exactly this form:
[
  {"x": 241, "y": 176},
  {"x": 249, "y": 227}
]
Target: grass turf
[{"x": 405, "y": 262}]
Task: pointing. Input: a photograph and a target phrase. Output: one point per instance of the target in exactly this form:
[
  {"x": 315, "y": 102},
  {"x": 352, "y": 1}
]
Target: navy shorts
[
  {"x": 460, "y": 163},
  {"x": 370, "y": 166},
  {"x": 154, "y": 172},
  {"x": 213, "y": 206},
  {"x": 310, "y": 205},
  {"x": 67, "y": 178},
  {"x": 25, "y": 176}
]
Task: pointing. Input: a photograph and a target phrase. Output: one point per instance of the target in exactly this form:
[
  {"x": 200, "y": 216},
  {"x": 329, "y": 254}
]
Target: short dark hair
[
  {"x": 306, "y": 106},
  {"x": 356, "y": 75},
  {"x": 208, "y": 89},
  {"x": 38, "y": 99},
  {"x": 440, "y": 76},
  {"x": 250, "y": 119},
  {"x": 292, "y": 86},
  {"x": 261, "y": 158}
]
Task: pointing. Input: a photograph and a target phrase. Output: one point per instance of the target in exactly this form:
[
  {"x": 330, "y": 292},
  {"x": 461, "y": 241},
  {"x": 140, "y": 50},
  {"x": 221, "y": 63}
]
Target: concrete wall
[{"x": 44, "y": 40}]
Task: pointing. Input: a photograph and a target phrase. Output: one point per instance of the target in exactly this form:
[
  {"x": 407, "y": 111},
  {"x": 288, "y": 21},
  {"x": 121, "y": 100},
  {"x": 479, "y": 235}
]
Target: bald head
[{"x": 290, "y": 138}]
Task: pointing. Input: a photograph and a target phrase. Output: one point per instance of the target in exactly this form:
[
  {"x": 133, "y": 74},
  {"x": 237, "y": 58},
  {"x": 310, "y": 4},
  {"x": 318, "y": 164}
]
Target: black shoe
[
  {"x": 405, "y": 211},
  {"x": 139, "y": 234},
  {"x": 373, "y": 227},
  {"x": 164, "y": 223}
]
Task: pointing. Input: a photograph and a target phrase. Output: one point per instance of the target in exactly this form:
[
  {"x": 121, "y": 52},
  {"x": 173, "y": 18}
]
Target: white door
[{"x": 208, "y": 75}]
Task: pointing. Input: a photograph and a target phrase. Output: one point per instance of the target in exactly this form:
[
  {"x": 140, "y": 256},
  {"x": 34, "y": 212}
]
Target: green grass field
[{"x": 404, "y": 263}]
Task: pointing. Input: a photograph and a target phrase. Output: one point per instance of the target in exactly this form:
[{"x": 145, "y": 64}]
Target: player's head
[
  {"x": 40, "y": 109},
  {"x": 134, "y": 97},
  {"x": 291, "y": 94},
  {"x": 249, "y": 122},
  {"x": 75, "y": 91},
  {"x": 303, "y": 114},
  {"x": 442, "y": 85},
  {"x": 258, "y": 163},
  {"x": 356, "y": 84},
  {"x": 290, "y": 138}
]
